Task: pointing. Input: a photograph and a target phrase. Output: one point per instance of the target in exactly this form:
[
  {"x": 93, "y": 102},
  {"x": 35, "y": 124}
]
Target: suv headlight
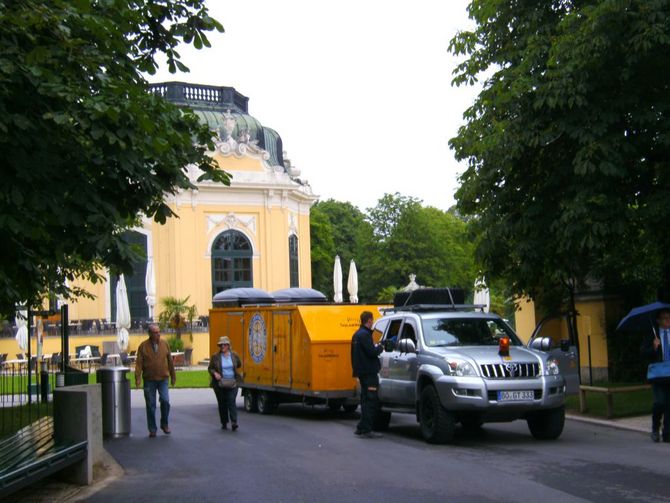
[
  {"x": 461, "y": 368},
  {"x": 551, "y": 367}
]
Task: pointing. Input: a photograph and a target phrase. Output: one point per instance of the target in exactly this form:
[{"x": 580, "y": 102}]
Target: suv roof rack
[
  {"x": 436, "y": 307},
  {"x": 438, "y": 296}
]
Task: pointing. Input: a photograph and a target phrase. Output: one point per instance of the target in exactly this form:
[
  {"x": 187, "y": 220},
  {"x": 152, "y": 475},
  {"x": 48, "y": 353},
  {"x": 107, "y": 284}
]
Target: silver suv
[{"x": 453, "y": 364}]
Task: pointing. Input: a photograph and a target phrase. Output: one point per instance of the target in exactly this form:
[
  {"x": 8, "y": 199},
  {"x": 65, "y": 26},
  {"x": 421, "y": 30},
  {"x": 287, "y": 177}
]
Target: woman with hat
[{"x": 223, "y": 367}]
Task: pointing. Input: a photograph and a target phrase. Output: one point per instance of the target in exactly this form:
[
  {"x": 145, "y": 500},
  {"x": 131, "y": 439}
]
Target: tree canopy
[
  {"x": 409, "y": 238},
  {"x": 336, "y": 229},
  {"x": 396, "y": 238},
  {"x": 567, "y": 144},
  {"x": 85, "y": 147}
]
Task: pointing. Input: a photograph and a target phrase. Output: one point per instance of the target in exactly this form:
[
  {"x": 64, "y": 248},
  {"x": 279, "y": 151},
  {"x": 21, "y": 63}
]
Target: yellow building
[
  {"x": 253, "y": 233},
  {"x": 595, "y": 313}
]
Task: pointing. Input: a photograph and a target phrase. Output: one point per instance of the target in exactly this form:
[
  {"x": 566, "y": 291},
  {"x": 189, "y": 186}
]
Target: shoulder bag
[
  {"x": 226, "y": 383},
  {"x": 659, "y": 372}
]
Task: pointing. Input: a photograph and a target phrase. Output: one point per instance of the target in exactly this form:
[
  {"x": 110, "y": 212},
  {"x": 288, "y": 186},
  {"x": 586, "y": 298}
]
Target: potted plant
[{"x": 177, "y": 314}]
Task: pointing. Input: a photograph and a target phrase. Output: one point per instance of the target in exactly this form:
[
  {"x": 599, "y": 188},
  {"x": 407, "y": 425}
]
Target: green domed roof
[{"x": 210, "y": 103}]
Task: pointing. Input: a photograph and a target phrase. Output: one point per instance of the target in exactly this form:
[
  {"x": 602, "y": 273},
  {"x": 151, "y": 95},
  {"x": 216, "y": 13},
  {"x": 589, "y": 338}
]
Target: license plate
[{"x": 514, "y": 396}]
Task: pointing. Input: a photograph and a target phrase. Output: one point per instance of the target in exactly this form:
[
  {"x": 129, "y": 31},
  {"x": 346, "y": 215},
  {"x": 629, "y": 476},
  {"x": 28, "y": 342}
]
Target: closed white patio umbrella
[
  {"x": 122, "y": 314},
  {"x": 337, "y": 280},
  {"x": 22, "y": 330},
  {"x": 150, "y": 286},
  {"x": 352, "y": 283}
]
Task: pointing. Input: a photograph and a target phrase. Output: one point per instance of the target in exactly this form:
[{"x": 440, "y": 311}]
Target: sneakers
[
  {"x": 224, "y": 426},
  {"x": 152, "y": 434},
  {"x": 166, "y": 430},
  {"x": 234, "y": 426},
  {"x": 655, "y": 436}
]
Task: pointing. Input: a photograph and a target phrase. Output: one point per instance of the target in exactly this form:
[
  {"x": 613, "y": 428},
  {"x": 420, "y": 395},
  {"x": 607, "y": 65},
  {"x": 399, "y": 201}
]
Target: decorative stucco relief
[
  {"x": 232, "y": 221},
  {"x": 241, "y": 146}
]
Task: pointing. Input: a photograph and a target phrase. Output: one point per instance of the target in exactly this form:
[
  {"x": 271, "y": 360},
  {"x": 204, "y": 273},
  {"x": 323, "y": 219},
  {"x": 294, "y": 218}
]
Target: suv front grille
[{"x": 511, "y": 370}]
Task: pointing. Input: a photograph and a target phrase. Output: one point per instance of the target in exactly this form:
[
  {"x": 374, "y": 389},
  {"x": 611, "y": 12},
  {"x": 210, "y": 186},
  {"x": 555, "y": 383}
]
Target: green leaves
[
  {"x": 85, "y": 147},
  {"x": 396, "y": 238},
  {"x": 564, "y": 140}
]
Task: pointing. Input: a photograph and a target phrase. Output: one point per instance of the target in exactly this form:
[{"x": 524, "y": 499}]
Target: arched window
[
  {"x": 231, "y": 261},
  {"x": 294, "y": 277},
  {"x": 137, "y": 293}
]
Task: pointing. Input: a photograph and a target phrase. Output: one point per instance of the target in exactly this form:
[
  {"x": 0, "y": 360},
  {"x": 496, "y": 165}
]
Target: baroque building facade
[{"x": 253, "y": 233}]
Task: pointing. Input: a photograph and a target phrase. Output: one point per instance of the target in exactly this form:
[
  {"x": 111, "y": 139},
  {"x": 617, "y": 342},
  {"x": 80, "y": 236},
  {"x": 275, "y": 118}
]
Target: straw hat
[{"x": 223, "y": 340}]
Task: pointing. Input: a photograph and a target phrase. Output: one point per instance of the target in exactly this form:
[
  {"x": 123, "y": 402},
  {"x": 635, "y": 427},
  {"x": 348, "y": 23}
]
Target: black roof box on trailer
[
  {"x": 299, "y": 296},
  {"x": 432, "y": 296},
  {"x": 235, "y": 297}
]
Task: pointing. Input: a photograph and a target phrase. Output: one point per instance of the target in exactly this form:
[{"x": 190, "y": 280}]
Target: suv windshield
[{"x": 466, "y": 332}]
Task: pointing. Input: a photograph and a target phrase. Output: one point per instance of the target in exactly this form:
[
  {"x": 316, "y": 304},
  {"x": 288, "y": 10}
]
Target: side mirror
[
  {"x": 541, "y": 343},
  {"x": 406, "y": 346},
  {"x": 565, "y": 345}
]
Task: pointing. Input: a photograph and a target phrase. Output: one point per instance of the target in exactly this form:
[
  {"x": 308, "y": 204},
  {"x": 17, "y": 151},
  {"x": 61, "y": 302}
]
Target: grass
[
  {"x": 185, "y": 379},
  {"x": 12, "y": 419},
  {"x": 629, "y": 403}
]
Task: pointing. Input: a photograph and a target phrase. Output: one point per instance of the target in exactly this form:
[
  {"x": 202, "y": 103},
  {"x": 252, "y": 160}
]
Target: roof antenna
[{"x": 453, "y": 304}]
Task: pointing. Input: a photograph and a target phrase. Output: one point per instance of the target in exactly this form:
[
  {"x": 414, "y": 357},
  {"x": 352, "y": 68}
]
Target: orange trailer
[{"x": 292, "y": 352}]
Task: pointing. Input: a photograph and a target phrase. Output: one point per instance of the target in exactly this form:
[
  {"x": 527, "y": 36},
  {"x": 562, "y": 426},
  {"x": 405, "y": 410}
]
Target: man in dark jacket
[
  {"x": 365, "y": 365},
  {"x": 656, "y": 348}
]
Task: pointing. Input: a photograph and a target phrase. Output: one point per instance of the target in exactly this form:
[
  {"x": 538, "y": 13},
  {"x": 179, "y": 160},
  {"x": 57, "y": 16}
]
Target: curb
[{"x": 606, "y": 422}]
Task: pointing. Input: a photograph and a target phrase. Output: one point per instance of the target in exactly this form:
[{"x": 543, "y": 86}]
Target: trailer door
[{"x": 281, "y": 348}]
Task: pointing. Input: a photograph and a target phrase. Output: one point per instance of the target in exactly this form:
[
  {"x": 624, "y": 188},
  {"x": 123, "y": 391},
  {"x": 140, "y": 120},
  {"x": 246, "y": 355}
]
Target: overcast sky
[{"x": 360, "y": 91}]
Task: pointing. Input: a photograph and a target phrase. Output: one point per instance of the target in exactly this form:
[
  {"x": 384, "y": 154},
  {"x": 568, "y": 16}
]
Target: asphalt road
[{"x": 302, "y": 454}]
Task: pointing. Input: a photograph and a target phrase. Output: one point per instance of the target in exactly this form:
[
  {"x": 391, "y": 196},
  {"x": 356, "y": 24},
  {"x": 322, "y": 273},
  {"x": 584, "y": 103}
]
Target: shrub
[{"x": 175, "y": 344}]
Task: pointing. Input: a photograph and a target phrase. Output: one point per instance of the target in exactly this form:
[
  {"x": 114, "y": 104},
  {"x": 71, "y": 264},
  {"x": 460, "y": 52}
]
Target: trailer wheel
[
  {"x": 250, "y": 401},
  {"x": 265, "y": 402},
  {"x": 334, "y": 405},
  {"x": 350, "y": 407}
]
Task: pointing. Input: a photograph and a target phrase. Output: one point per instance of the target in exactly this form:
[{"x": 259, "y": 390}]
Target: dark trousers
[
  {"x": 661, "y": 408},
  {"x": 369, "y": 402},
  {"x": 225, "y": 398}
]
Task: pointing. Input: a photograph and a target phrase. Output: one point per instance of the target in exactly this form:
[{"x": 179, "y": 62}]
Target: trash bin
[{"x": 115, "y": 388}]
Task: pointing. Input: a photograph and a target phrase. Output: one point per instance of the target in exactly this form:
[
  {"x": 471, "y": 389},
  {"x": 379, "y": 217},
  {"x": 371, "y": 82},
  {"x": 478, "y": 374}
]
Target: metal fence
[{"x": 26, "y": 392}]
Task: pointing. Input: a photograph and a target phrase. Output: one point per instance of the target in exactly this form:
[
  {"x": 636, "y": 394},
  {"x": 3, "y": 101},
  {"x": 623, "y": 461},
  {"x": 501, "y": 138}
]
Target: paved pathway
[{"x": 194, "y": 419}]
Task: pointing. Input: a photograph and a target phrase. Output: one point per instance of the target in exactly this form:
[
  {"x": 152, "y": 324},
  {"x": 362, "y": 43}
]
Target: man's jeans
[
  {"x": 369, "y": 402},
  {"x": 150, "y": 388}
]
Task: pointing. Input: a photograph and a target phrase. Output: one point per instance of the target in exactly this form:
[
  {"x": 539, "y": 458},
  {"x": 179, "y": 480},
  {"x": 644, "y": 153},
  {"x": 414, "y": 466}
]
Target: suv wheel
[
  {"x": 547, "y": 424},
  {"x": 381, "y": 421},
  {"x": 437, "y": 424}
]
